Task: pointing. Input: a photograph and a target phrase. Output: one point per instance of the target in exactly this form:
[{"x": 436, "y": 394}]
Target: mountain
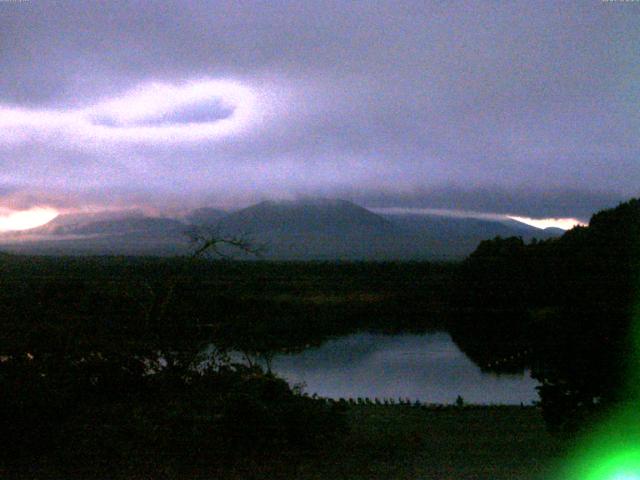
[
  {"x": 473, "y": 227},
  {"x": 136, "y": 226},
  {"x": 445, "y": 238},
  {"x": 67, "y": 223},
  {"x": 553, "y": 232},
  {"x": 444, "y": 226},
  {"x": 305, "y": 216},
  {"x": 205, "y": 216},
  {"x": 338, "y": 229},
  {"x": 318, "y": 229},
  {"x": 120, "y": 223},
  {"x": 112, "y": 233}
]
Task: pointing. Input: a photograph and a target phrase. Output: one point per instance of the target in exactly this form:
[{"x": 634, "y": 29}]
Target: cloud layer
[
  {"x": 154, "y": 113},
  {"x": 530, "y": 109}
]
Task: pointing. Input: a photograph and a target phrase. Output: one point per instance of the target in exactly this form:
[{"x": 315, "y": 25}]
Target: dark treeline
[
  {"x": 292, "y": 303},
  {"x": 563, "y": 307}
]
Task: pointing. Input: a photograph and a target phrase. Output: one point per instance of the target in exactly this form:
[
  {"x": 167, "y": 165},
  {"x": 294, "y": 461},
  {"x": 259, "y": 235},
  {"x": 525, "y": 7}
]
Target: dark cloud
[
  {"x": 526, "y": 108},
  {"x": 524, "y": 201}
]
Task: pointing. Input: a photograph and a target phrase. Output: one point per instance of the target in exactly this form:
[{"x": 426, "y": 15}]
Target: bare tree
[{"x": 207, "y": 242}]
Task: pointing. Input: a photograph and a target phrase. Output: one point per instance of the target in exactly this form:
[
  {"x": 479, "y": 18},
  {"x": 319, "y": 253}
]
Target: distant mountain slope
[
  {"x": 66, "y": 223},
  {"x": 109, "y": 223},
  {"x": 292, "y": 230},
  {"x": 453, "y": 237},
  {"x": 306, "y": 216},
  {"x": 205, "y": 216},
  {"x": 113, "y": 233},
  {"x": 143, "y": 226},
  {"x": 472, "y": 228},
  {"x": 553, "y": 232}
]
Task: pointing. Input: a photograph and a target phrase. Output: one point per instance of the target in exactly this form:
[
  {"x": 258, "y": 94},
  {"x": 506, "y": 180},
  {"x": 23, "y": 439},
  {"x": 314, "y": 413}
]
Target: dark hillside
[
  {"x": 563, "y": 307},
  {"x": 312, "y": 216}
]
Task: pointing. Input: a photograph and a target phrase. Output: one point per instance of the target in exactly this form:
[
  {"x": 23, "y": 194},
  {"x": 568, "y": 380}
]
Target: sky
[{"x": 524, "y": 108}]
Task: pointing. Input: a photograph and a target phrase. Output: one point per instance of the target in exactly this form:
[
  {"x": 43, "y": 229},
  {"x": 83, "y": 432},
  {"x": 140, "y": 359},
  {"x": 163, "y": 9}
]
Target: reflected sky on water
[{"x": 429, "y": 368}]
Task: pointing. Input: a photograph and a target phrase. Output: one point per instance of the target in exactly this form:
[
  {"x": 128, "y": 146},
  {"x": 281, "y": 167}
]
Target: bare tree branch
[{"x": 211, "y": 241}]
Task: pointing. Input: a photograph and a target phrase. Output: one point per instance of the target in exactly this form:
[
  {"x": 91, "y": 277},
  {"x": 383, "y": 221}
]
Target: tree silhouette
[{"x": 563, "y": 306}]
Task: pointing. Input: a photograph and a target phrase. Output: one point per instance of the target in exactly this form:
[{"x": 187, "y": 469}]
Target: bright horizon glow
[
  {"x": 26, "y": 219},
  {"x": 542, "y": 223}
]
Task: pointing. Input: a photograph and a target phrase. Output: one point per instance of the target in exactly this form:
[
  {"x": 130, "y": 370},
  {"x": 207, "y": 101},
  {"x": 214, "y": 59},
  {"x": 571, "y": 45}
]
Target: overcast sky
[{"x": 528, "y": 108}]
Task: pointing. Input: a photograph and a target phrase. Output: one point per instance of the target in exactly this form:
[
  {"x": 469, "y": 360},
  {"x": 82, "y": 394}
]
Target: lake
[{"x": 429, "y": 368}]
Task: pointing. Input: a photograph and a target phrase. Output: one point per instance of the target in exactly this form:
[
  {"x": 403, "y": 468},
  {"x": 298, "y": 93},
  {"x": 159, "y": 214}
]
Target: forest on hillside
[{"x": 564, "y": 307}]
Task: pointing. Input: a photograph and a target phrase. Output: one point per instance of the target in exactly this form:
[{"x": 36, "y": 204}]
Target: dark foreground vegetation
[
  {"x": 106, "y": 363},
  {"x": 107, "y": 368}
]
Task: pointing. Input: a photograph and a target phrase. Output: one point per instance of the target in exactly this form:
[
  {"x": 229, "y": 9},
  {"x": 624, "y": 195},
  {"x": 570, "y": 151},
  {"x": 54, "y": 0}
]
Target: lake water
[{"x": 429, "y": 368}]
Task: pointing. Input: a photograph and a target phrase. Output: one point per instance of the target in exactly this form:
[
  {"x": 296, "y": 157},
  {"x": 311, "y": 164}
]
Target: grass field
[
  {"x": 402, "y": 442},
  {"x": 396, "y": 442}
]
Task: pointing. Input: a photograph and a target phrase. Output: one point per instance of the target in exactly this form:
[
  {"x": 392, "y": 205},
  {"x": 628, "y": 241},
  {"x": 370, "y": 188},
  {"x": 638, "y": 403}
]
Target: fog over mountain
[
  {"x": 309, "y": 229},
  {"x": 304, "y": 216}
]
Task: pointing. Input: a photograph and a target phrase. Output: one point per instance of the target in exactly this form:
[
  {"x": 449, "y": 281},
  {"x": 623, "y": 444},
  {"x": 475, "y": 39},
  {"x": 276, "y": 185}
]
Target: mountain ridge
[
  {"x": 306, "y": 229},
  {"x": 318, "y": 215}
]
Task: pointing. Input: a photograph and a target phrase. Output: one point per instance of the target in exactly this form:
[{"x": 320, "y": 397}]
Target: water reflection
[{"x": 429, "y": 368}]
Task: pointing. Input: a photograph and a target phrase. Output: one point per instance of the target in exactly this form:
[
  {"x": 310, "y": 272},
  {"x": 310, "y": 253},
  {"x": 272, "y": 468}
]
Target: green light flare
[
  {"x": 612, "y": 450},
  {"x": 620, "y": 466},
  {"x": 633, "y": 374}
]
